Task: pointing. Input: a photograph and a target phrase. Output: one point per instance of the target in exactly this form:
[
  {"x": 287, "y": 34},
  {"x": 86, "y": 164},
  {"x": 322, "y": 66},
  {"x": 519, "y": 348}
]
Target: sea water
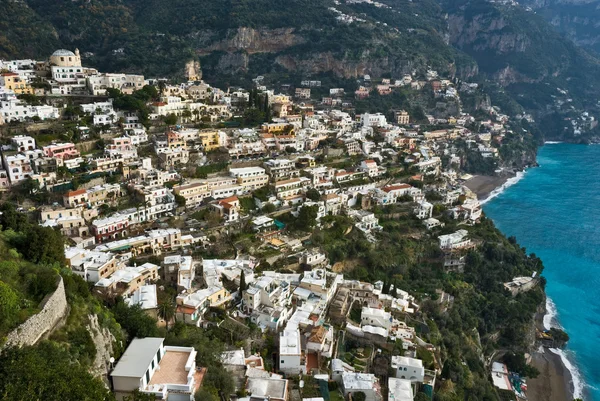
[{"x": 554, "y": 212}]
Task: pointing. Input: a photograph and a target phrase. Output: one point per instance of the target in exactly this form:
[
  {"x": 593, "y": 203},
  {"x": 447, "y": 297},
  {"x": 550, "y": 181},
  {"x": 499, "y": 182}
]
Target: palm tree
[{"x": 166, "y": 311}]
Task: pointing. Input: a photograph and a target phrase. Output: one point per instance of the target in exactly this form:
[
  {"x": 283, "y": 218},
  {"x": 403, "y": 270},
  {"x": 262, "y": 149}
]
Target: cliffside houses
[{"x": 145, "y": 204}]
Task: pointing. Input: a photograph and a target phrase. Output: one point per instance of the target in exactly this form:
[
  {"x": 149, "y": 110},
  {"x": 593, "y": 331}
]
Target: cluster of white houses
[{"x": 277, "y": 168}]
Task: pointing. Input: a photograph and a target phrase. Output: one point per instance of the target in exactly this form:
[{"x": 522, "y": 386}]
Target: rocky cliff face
[
  {"x": 482, "y": 33},
  {"x": 103, "y": 340},
  {"x": 252, "y": 41},
  {"x": 239, "y": 49},
  {"x": 511, "y": 45},
  {"x": 345, "y": 67}
]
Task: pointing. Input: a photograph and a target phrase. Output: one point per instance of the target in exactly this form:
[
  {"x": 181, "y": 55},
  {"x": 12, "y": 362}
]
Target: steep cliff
[{"x": 577, "y": 20}]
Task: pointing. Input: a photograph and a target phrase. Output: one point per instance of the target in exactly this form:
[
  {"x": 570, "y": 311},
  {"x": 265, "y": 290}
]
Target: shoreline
[
  {"x": 556, "y": 381},
  {"x": 487, "y": 187}
]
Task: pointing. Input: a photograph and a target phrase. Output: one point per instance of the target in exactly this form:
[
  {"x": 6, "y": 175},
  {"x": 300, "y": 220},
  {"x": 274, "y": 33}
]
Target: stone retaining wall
[{"x": 54, "y": 307}]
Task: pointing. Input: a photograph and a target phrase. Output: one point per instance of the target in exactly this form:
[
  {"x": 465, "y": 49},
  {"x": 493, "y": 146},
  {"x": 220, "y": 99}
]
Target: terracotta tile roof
[
  {"x": 391, "y": 188},
  {"x": 75, "y": 193},
  {"x": 185, "y": 309},
  {"x": 229, "y": 200}
]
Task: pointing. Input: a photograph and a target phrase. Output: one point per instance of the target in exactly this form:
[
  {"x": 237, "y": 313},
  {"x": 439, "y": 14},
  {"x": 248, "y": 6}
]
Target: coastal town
[{"x": 268, "y": 216}]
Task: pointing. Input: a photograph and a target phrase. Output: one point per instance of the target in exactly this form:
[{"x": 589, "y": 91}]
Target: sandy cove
[{"x": 484, "y": 185}]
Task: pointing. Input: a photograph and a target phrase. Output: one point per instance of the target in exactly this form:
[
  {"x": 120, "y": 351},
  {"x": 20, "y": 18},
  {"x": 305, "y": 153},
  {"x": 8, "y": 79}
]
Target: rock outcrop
[{"x": 103, "y": 341}]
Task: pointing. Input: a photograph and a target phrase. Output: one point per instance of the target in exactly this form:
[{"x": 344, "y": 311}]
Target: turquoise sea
[{"x": 554, "y": 211}]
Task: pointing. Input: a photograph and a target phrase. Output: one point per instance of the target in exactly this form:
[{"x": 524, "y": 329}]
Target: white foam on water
[
  {"x": 551, "y": 321},
  {"x": 576, "y": 379},
  {"x": 509, "y": 183},
  {"x": 550, "y": 316}
]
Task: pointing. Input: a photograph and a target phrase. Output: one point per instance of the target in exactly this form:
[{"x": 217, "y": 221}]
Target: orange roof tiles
[
  {"x": 391, "y": 188},
  {"x": 75, "y": 193}
]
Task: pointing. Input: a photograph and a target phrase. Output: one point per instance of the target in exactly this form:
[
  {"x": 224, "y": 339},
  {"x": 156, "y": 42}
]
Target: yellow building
[
  {"x": 273, "y": 128},
  {"x": 210, "y": 140},
  {"x": 15, "y": 83},
  {"x": 402, "y": 117},
  {"x": 193, "y": 193}
]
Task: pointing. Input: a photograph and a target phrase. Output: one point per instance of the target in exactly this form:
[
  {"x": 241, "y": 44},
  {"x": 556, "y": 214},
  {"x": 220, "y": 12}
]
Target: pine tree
[{"x": 242, "y": 282}]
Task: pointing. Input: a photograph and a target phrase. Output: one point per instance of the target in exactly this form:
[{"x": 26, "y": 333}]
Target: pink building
[
  {"x": 111, "y": 227},
  {"x": 362, "y": 92},
  {"x": 63, "y": 151}
]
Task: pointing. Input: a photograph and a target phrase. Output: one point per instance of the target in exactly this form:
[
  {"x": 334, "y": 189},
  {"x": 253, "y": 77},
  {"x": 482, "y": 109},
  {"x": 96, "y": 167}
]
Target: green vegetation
[
  {"x": 31, "y": 258},
  {"x": 57, "y": 367},
  {"x": 204, "y": 171},
  {"x": 516, "y": 363},
  {"x": 483, "y": 316},
  {"x": 135, "y": 103},
  {"x": 134, "y": 320},
  {"x": 47, "y": 372}
]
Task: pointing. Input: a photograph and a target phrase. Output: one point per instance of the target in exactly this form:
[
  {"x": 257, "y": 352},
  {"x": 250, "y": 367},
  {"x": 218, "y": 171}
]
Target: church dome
[{"x": 63, "y": 53}]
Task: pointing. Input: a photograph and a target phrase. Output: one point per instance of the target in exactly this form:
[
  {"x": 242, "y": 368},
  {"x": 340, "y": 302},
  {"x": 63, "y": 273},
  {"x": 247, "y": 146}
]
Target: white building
[
  {"x": 92, "y": 266},
  {"x": 376, "y": 317},
  {"x": 291, "y": 360},
  {"x": 432, "y": 223},
  {"x": 23, "y": 142},
  {"x": 455, "y": 240},
  {"x": 13, "y": 109},
  {"x": 127, "y": 83},
  {"x": 152, "y": 368},
  {"x": 361, "y": 382},
  {"x": 408, "y": 368},
  {"x": 145, "y": 297},
  {"x": 423, "y": 210},
  {"x": 373, "y": 120},
  {"x": 250, "y": 178},
  {"x": 18, "y": 167},
  {"x": 371, "y": 168},
  {"x": 400, "y": 390}
]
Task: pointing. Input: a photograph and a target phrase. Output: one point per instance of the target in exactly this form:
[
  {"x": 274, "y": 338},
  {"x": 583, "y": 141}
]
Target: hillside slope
[{"x": 516, "y": 54}]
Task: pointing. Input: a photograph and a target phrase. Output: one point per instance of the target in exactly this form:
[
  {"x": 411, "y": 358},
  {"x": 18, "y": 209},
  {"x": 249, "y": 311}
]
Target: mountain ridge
[{"x": 504, "y": 47}]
